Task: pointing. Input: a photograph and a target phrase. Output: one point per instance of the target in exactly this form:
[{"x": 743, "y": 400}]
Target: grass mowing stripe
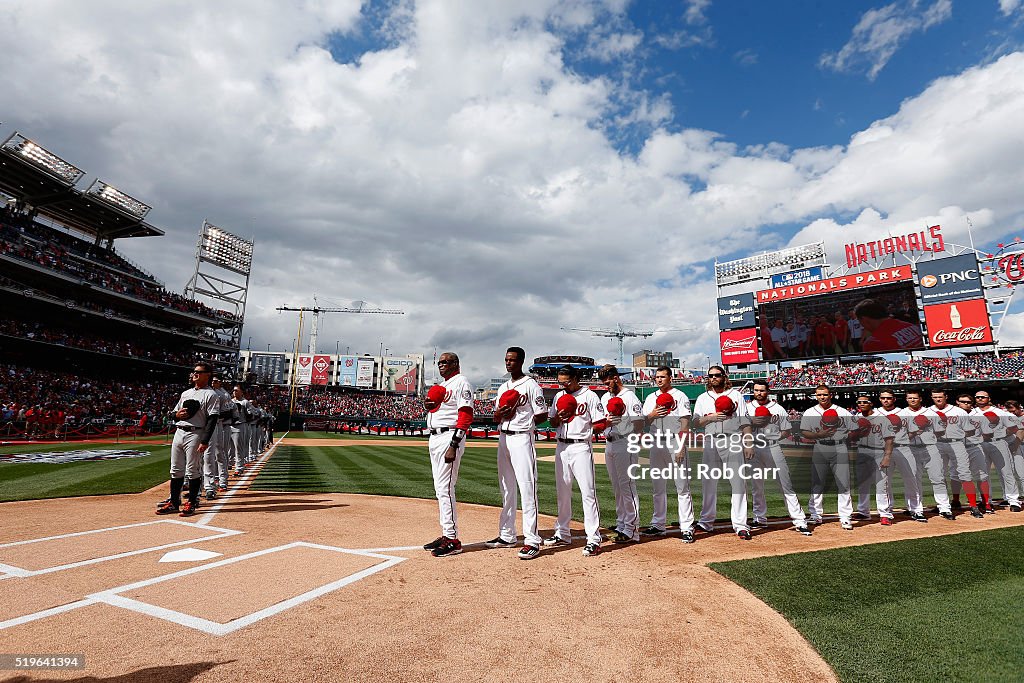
[{"x": 940, "y": 608}]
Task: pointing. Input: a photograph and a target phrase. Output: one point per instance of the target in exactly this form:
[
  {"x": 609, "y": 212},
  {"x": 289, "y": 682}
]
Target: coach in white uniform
[
  {"x": 772, "y": 429},
  {"x": 574, "y": 458},
  {"x": 617, "y": 456},
  {"x": 725, "y": 451},
  {"x": 667, "y": 412},
  {"x": 951, "y": 438},
  {"x": 449, "y": 417},
  {"x": 829, "y": 426},
  {"x": 517, "y": 457}
]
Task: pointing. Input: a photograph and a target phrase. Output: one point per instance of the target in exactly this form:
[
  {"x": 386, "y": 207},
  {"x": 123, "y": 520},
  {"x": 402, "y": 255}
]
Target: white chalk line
[{"x": 250, "y": 473}]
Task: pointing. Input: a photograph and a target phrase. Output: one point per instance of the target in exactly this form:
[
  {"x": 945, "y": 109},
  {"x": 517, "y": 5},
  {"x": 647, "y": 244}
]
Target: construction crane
[
  {"x": 620, "y": 332},
  {"x": 316, "y": 310}
]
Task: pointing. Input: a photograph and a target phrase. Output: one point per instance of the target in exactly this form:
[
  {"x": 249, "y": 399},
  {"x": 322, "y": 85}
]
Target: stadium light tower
[
  {"x": 620, "y": 332},
  {"x": 43, "y": 159}
]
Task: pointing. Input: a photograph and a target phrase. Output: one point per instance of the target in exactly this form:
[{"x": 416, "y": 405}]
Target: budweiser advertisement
[
  {"x": 964, "y": 323},
  {"x": 739, "y": 346}
]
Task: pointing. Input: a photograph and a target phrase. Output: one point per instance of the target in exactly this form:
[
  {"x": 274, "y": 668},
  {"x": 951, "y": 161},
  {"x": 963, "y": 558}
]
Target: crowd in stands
[
  {"x": 921, "y": 370},
  {"x": 92, "y": 342},
  {"x": 30, "y": 241},
  {"x": 317, "y": 401}
]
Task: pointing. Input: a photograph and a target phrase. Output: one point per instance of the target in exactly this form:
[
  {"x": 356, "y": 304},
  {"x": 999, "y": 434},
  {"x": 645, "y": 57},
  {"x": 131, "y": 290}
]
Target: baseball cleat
[
  {"x": 956, "y": 505},
  {"x": 528, "y": 552},
  {"x": 947, "y": 515},
  {"x": 918, "y": 517},
  {"x": 885, "y": 521},
  {"x": 163, "y": 502},
  {"x": 975, "y": 512},
  {"x": 816, "y": 521},
  {"x": 860, "y": 516},
  {"x": 846, "y": 524},
  {"x": 744, "y": 534},
  {"x": 591, "y": 549},
  {"x": 210, "y": 494},
  {"x": 758, "y": 524},
  {"x": 652, "y": 531},
  {"x": 803, "y": 529},
  {"x": 450, "y": 546},
  {"x": 556, "y": 540},
  {"x": 499, "y": 542},
  {"x": 187, "y": 509},
  {"x": 436, "y": 543},
  {"x": 166, "y": 508},
  {"x": 701, "y": 527},
  {"x": 687, "y": 536},
  {"x": 222, "y": 489},
  {"x": 1015, "y": 508},
  {"x": 623, "y": 538}
]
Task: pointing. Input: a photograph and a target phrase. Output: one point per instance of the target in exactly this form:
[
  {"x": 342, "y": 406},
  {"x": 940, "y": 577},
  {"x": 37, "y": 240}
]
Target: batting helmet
[
  {"x": 724, "y": 404},
  {"x": 509, "y": 398},
  {"x": 616, "y": 406}
]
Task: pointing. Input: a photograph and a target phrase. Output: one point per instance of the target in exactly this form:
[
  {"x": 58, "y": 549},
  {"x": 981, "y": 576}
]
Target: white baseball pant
[
  {"x": 715, "y": 457},
  {"x": 660, "y": 459},
  {"x": 446, "y": 475},
  {"x": 930, "y": 460},
  {"x": 869, "y": 471},
  {"x": 823, "y": 459},
  {"x": 998, "y": 451},
  {"x": 957, "y": 461},
  {"x": 517, "y": 469},
  {"x": 576, "y": 461},
  {"x": 185, "y": 458},
  {"x": 617, "y": 459},
  {"x": 768, "y": 458}
]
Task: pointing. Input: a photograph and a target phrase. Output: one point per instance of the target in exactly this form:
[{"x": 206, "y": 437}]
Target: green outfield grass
[
  {"x": 934, "y": 609},
  {"x": 28, "y": 481},
  {"x": 405, "y": 471}
]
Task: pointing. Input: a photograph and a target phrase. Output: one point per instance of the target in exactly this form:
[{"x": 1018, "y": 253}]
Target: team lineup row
[{"x": 943, "y": 441}]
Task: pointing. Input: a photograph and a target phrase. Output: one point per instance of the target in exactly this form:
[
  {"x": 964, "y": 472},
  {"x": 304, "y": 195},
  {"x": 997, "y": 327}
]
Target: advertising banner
[
  {"x": 961, "y": 323},
  {"x": 956, "y": 278},
  {"x": 304, "y": 369},
  {"x": 398, "y": 374},
  {"x": 364, "y": 373},
  {"x": 833, "y": 284},
  {"x": 739, "y": 346},
  {"x": 736, "y": 311},
  {"x": 268, "y": 367},
  {"x": 347, "y": 370},
  {"x": 321, "y": 370},
  {"x": 797, "y": 277}
]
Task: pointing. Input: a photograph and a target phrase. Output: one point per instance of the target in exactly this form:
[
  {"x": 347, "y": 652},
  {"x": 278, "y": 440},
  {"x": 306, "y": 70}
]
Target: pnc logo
[{"x": 929, "y": 281}]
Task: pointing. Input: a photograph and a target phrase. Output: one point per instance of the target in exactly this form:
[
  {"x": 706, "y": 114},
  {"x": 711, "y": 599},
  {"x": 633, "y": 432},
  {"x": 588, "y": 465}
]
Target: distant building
[
  {"x": 653, "y": 359},
  {"x": 489, "y": 392}
]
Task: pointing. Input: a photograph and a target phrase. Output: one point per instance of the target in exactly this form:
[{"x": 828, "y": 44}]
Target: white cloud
[
  {"x": 1008, "y": 7},
  {"x": 463, "y": 172},
  {"x": 745, "y": 57},
  {"x": 881, "y": 32}
]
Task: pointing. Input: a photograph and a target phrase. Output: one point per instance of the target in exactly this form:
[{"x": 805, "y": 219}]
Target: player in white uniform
[
  {"x": 903, "y": 457},
  {"x": 919, "y": 423},
  {"x": 995, "y": 430},
  {"x": 617, "y": 457},
  {"x": 951, "y": 438},
  {"x": 875, "y": 436},
  {"x": 449, "y": 416},
  {"x": 976, "y": 456},
  {"x": 239, "y": 428},
  {"x": 829, "y": 426},
  {"x": 722, "y": 448},
  {"x": 195, "y": 417},
  {"x": 574, "y": 457},
  {"x": 772, "y": 427},
  {"x": 1016, "y": 430},
  {"x": 667, "y": 412},
  {"x": 517, "y": 459}
]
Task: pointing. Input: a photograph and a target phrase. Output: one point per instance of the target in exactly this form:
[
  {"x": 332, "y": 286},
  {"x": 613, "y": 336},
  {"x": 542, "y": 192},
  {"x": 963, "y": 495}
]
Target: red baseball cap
[
  {"x": 921, "y": 421},
  {"x": 436, "y": 394},
  {"x": 616, "y": 406},
  {"x": 762, "y": 411},
  {"x": 830, "y": 417},
  {"x": 724, "y": 404},
  {"x": 566, "y": 402},
  {"x": 665, "y": 399},
  {"x": 863, "y": 423},
  {"x": 509, "y": 398}
]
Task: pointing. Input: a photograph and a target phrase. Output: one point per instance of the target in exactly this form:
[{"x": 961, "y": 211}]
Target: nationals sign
[
  {"x": 833, "y": 284},
  {"x": 963, "y": 323},
  {"x": 739, "y": 346},
  {"x": 929, "y": 239}
]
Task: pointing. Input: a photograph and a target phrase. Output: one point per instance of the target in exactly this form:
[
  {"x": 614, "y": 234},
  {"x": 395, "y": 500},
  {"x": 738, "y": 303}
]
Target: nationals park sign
[{"x": 836, "y": 284}]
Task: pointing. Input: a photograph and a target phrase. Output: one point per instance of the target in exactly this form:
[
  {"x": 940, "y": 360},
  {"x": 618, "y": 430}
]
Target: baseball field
[{"x": 310, "y": 568}]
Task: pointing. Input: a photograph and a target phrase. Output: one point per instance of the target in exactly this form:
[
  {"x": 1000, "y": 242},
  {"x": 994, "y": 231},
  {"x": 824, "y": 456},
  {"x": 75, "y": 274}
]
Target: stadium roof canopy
[{"x": 46, "y": 183}]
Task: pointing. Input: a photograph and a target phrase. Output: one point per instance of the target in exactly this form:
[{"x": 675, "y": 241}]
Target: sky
[{"x": 503, "y": 170}]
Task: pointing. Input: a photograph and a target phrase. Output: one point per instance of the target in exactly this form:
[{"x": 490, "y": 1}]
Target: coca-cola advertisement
[
  {"x": 964, "y": 323},
  {"x": 739, "y": 346}
]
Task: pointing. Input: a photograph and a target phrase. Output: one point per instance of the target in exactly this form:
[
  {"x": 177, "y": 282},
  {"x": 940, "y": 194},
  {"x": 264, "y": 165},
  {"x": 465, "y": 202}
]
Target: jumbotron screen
[{"x": 882, "y": 319}]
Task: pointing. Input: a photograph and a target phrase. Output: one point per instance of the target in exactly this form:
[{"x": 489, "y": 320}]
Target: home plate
[{"x": 188, "y": 555}]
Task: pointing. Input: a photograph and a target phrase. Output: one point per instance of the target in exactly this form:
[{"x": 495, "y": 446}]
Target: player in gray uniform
[
  {"x": 240, "y": 428},
  {"x": 215, "y": 462},
  {"x": 195, "y": 416}
]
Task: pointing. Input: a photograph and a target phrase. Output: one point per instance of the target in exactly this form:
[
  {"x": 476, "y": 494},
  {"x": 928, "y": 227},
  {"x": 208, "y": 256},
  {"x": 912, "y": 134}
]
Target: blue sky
[{"x": 501, "y": 170}]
